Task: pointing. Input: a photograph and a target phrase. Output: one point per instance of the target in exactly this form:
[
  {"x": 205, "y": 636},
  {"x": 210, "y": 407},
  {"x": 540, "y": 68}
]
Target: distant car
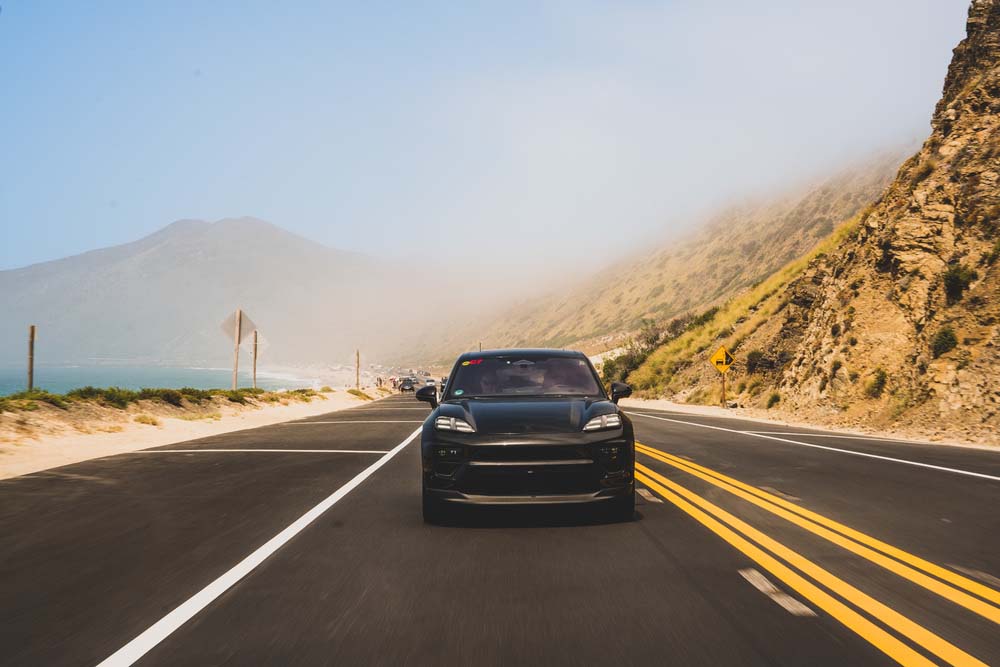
[
  {"x": 527, "y": 427},
  {"x": 430, "y": 382},
  {"x": 406, "y": 384}
]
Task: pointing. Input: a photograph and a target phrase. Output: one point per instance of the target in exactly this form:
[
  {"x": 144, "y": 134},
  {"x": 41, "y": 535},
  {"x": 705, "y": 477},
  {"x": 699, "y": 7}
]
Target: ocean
[{"x": 60, "y": 379}]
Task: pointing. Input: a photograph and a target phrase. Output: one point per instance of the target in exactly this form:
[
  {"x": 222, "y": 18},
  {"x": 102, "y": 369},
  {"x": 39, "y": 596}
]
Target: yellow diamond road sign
[{"x": 721, "y": 360}]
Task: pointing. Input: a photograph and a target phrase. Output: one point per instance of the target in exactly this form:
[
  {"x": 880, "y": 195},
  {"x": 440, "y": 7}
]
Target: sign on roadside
[{"x": 721, "y": 360}]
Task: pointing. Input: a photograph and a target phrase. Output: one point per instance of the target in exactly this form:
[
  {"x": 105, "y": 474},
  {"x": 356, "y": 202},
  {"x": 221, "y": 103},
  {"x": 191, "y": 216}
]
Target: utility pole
[
  {"x": 254, "y": 358},
  {"x": 357, "y": 369},
  {"x": 236, "y": 345},
  {"x": 480, "y": 346},
  {"x": 31, "y": 358}
]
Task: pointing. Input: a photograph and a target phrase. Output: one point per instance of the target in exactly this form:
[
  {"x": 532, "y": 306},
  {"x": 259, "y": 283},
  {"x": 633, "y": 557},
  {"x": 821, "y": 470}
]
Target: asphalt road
[{"x": 753, "y": 545}]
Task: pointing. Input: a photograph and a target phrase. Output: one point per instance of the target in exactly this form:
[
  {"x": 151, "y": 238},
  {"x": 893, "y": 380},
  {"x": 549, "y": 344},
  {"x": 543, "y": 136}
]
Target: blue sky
[{"x": 441, "y": 129}]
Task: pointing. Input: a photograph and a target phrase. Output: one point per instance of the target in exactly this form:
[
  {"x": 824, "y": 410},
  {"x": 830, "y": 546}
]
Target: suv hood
[{"x": 518, "y": 417}]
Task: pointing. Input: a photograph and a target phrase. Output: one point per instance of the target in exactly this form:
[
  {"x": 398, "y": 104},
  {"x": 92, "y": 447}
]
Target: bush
[
  {"x": 993, "y": 254},
  {"x": 877, "y": 385},
  {"x": 773, "y": 400},
  {"x": 360, "y": 394},
  {"x": 944, "y": 341},
  {"x": 58, "y": 400},
  {"x": 704, "y": 318},
  {"x": 113, "y": 396},
  {"x": 956, "y": 280},
  {"x": 925, "y": 170},
  {"x": 171, "y": 396},
  {"x": 147, "y": 419},
  {"x": 835, "y": 330},
  {"x": 835, "y": 366},
  {"x": 195, "y": 395},
  {"x": 852, "y": 340},
  {"x": 754, "y": 360},
  {"x": 327, "y": 390}
]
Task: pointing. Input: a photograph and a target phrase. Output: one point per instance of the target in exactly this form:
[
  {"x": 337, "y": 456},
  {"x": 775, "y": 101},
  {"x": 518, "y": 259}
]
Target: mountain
[
  {"x": 162, "y": 298},
  {"x": 732, "y": 251},
  {"x": 897, "y": 321}
]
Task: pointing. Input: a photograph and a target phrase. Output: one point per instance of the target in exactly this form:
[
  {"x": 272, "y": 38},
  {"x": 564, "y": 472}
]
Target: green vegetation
[
  {"x": 118, "y": 397},
  {"x": 735, "y": 320},
  {"x": 944, "y": 340},
  {"x": 877, "y": 385},
  {"x": 360, "y": 394},
  {"x": 773, "y": 400},
  {"x": 923, "y": 171},
  {"x": 147, "y": 419},
  {"x": 327, "y": 390},
  {"x": 58, "y": 400},
  {"x": 754, "y": 360},
  {"x": 957, "y": 279},
  {"x": 994, "y": 254}
]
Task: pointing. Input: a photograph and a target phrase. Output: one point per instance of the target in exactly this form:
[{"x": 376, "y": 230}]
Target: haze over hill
[
  {"x": 161, "y": 299},
  {"x": 897, "y": 321},
  {"x": 734, "y": 249}
]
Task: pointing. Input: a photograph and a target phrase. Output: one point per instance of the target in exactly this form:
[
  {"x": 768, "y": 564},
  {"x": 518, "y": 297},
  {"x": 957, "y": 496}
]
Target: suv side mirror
[
  {"x": 619, "y": 390},
  {"x": 428, "y": 395}
]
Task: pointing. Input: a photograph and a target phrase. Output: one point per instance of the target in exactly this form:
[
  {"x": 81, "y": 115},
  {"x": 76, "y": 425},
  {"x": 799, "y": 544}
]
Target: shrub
[
  {"x": 360, "y": 394},
  {"x": 773, "y": 400},
  {"x": 195, "y": 395},
  {"x": 235, "y": 396},
  {"x": 877, "y": 385},
  {"x": 993, "y": 254},
  {"x": 835, "y": 330},
  {"x": 925, "y": 170},
  {"x": 147, "y": 419},
  {"x": 704, "y": 318},
  {"x": 944, "y": 341},
  {"x": 327, "y": 390},
  {"x": 835, "y": 366},
  {"x": 956, "y": 280},
  {"x": 754, "y": 360},
  {"x": 171, "y": 396},
  {"x": 852, "y": 340},
  {"x": 58, "y": 400},
  {"x": 113, "y": 396}
]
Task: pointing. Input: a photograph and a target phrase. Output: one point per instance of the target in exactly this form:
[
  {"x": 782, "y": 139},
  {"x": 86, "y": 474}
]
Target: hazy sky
[{"x": 454, "y": 129}]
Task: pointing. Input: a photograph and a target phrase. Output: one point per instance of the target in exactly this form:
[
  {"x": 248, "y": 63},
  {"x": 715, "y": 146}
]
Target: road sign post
[
  {"x": 721, "y": 361},
  {"x": 236, "y": 345},
  {"x": 254, "y": 358},
  {"x": 31, "y": 358},
  {"x": 357, "y": 369}
]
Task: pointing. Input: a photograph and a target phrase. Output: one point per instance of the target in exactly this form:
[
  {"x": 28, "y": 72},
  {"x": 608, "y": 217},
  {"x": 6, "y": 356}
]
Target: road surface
[{"x": 302, "y": 544}]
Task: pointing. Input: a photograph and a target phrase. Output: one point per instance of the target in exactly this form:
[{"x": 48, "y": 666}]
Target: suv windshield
[{"x": 524, "y": 375}]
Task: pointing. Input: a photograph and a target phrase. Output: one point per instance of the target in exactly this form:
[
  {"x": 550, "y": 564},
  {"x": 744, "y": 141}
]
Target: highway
[{"x": 302, "y": 544}]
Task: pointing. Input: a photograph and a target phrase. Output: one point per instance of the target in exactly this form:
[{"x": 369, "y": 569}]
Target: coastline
[{"x": 48, "y": 437}]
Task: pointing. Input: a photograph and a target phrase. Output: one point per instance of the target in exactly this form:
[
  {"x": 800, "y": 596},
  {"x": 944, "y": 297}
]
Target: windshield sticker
[
  {"x": 459, "y": 392},
  {"x": 472, "y": 362}
]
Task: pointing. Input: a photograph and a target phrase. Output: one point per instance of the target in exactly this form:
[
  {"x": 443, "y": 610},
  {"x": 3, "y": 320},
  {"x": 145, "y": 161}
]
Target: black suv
[{"x": 527, "y": 427}]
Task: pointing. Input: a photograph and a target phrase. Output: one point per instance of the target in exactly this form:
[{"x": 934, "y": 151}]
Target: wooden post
[
  {"x": 254, "y": 358},
  {"x": 31, "y": 357},
  {"x": 236, "y": 345},
  {"x": 480, "y": 346},
  {"x": 357, "y": 369},
  {"x": 723, "y": 390}
]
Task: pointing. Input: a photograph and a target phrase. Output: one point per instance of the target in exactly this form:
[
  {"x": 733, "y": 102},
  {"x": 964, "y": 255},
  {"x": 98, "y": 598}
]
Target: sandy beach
[{"x": 47, "y": 437}]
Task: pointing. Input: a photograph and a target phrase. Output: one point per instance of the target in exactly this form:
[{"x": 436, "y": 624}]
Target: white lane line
[
  {"x": 649, "y": 497},
  {"x": 833, "y": 435},
  {"x": 156, "y": 633},
  {"x": 764, "y": 585},
  {"x": 290, "y": 451},
  {"x": 968, "y": 473},
  {"x": 357, "y": 421}
]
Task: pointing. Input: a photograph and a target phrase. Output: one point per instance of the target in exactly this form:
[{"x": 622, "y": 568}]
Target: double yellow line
[{"x": 742, "y": 536}]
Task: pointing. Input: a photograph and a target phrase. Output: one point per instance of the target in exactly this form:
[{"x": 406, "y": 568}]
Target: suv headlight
[
  {"x": 453, "y": 424},
  {"x": 604, "y": 421}
]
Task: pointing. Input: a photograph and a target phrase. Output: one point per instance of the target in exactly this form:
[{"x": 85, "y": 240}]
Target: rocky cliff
[{"x": 900, "y": 323}]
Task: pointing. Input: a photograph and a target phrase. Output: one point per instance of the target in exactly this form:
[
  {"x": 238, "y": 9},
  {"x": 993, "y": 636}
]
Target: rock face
[{"x": 902, "y": 323}]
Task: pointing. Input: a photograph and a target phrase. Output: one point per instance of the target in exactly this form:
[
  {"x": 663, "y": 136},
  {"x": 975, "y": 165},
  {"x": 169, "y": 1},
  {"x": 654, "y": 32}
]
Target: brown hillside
[{"x": 898, "y": 325}]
